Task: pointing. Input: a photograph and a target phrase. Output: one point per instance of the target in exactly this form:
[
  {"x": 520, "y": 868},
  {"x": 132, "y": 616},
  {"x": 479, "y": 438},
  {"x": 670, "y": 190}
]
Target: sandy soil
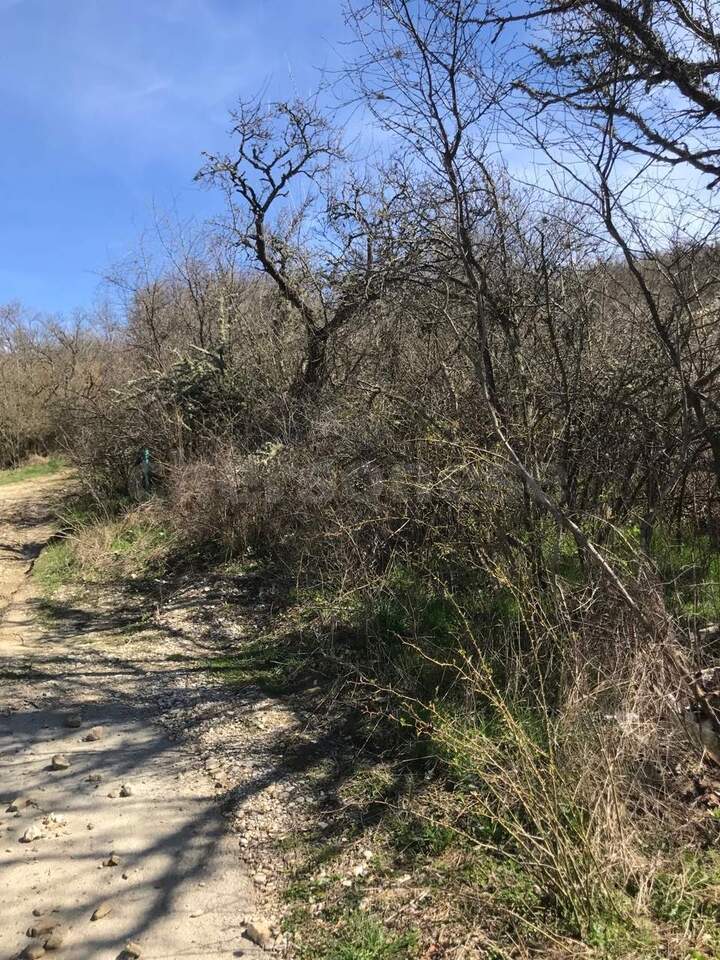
[{"x": 179, "y": 888}]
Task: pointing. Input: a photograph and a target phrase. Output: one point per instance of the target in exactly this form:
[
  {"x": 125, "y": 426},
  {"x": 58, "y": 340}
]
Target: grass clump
[
  {"x": 56, "y": 567},
  {"x": 371, "y": 783},
  {"x": 97, "y": 547},
  {"x": 274, "y": 667},
  {"x": 359, "y": 936},
  {"x": 414, "y": 837},
  {"x": 689, "y": 897},
  {"x": 138, "y": 546}
]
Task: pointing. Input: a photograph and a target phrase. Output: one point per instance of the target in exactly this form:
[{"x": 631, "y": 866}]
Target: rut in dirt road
[{"x": 112, "y": 819}]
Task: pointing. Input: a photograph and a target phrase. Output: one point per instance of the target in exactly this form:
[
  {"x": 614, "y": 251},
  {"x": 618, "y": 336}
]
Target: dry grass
[{"x": 96, "y": 549}]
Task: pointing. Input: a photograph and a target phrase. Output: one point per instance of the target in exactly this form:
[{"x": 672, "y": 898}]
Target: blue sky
[{"x": 106, "y": 106}]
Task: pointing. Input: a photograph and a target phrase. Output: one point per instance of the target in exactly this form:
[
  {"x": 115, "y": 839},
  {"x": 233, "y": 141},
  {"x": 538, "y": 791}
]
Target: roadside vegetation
[
  {"x": 460, "y": 424},
  {"x": 32, "y": 469}
]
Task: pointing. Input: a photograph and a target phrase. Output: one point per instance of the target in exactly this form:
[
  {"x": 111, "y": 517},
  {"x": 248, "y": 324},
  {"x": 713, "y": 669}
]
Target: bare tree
[
  {"x": 328, "y": 250},
  {"x": 649, "y": 66}
]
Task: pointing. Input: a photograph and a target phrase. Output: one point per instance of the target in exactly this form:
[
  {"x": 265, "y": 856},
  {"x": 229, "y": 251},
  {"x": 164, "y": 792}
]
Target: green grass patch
[
  {"x": 305, "y": 890},
  {"x": 510, "y": 883},
  {"x": 464, "y": 740},
  {"x": 32, "y": 471},
  {"x": 687, "y": 562},
  {"x": 614, "y": 939},
  {"x": 414, "y": 837},
  {"x": 690, "y": 897},
  {"x": 370, "y": 783},
  {"x": 274, "y": 667},
  {"x": 96, "y": 550},
  {"x": 56, "y": 567},
  {"x": 360, "y": 936},
  {"x": 138, "y": 547},
  {"x": 82, "y": 511},
  {"x": 690, "y": 567}
]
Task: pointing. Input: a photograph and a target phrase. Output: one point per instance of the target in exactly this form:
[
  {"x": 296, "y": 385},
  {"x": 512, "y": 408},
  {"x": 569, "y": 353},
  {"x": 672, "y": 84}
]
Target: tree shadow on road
[{"x": 190, "y": 648}]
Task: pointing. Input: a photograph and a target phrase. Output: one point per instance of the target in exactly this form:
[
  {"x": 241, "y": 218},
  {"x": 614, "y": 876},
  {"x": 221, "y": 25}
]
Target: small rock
[
  {"x": 32, "y": 833},
  {"x": 94, "y": 778},
  {"x": 102, "y": 910},
  {"x": 94, "y": 734},
  {"x": 126, "y": 790},
  {"x": 33, "y": 951},
  {"x": 19, "y": 803},
  {"x": 38, "y": 912},
  {"x": 56, "y": 939},
  {"x": 73, "y": 719},
  {"x": 259, "y": 933},
  {"x": 41, "y": 929},
  {"x": 112, "y": 861},
  {"x": 260, "y": 878},
  {"x": 59, "y": 762},
  {"x": 55, "y": 820},
  {"x": 132, "y": 950}
]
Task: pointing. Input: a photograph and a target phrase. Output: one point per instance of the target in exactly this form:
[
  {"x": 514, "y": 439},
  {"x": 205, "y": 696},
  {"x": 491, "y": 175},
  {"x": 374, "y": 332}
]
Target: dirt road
[{"x": 128, "y": 819}]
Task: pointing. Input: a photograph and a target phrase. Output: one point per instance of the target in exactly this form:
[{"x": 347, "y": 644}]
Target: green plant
[
  {"x": 689, "y": 565},
  {"x": 615, "y": 938},
  {"x": 272, "y": 666},
  {"x": 414, "y": 836},
  {"x": 689, "y": 895},
  {"x": 362, "y": 937}
]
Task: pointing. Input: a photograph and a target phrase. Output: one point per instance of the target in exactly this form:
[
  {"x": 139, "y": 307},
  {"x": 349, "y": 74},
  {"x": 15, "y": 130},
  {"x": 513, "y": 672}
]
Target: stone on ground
[
  {"x": 259, "y": 933},
  {"x": 102, "y": 910},
  {"x": 33, "y": 832},
  {"x": 56, "y": 939},
  {"x": 42, "y": 928}
]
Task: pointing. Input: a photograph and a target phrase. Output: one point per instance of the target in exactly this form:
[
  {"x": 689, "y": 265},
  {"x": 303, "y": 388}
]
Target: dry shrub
[
  {"x": 264, "y": 501},
  {"x": 345, "y": 498}
]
